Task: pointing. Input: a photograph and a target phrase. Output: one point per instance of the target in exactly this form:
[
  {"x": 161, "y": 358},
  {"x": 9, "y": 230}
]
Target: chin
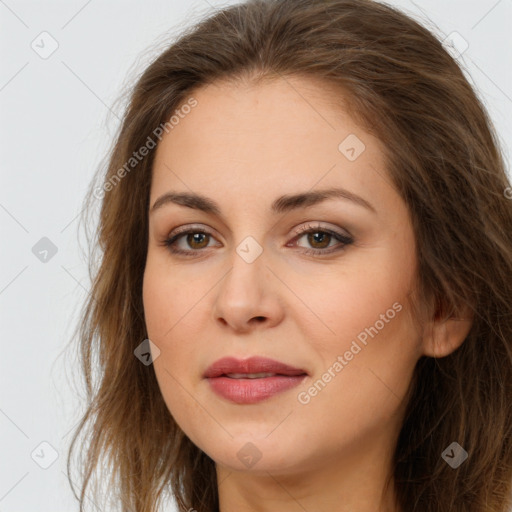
[{"x": 255, "y": 453}]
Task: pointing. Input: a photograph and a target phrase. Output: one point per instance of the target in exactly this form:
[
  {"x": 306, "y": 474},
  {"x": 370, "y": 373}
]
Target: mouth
[
  {"x": 253, "y": 368},
  {"x": 252, "y": 380},
  {"x": 261, "y": 375}
]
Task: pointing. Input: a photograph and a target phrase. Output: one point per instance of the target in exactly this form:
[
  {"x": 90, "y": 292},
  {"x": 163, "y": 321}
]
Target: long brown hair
[{"x": 445, "y": 160}]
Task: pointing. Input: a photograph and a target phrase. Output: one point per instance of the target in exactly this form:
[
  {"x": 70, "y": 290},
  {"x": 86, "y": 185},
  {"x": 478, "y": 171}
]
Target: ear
[{"x": 442, "y": 336}]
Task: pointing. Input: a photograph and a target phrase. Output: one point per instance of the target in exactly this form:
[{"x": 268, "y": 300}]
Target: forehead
[{"x": 283, "y": 134}]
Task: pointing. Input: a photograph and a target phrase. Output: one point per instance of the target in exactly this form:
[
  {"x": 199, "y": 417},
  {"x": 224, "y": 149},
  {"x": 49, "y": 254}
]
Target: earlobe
[{"x": 442, "y": 336}]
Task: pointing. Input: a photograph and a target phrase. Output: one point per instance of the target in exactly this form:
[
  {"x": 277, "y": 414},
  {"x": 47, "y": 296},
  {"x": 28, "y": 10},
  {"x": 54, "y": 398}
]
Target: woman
[{"x": 303, "y": 298}]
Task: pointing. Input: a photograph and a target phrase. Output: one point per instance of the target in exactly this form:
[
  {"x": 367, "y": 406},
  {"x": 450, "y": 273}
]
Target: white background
[{"x": 58, "y": 118}]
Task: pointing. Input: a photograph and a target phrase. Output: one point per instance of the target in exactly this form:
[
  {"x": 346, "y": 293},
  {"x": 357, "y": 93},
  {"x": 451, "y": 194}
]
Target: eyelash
[{"x": 343, "y": 239}]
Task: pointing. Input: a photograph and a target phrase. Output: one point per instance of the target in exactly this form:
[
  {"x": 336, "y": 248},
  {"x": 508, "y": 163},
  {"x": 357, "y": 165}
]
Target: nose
[{"x": 248, "y": 296}]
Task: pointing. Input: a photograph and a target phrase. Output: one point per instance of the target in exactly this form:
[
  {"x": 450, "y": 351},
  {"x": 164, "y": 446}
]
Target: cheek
[
  {"x": 158, "y": 304},
  {"x": 168, "y": 296},
  {"x": 175, "y": 306},
  {"x": 368, "y": 313},
  {"x": 166, "y": 303},
  {"x": 364, "y": 391},
  {"x": 354, "y": 299}
]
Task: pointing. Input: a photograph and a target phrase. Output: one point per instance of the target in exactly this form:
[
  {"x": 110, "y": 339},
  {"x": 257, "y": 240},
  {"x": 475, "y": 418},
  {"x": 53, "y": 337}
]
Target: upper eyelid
[
  {"x": 303, "y": 227},
  {"x": 343, "y": 240},
  {"x": 311, "y": 225},
  {"x": 301, "y": 231}
]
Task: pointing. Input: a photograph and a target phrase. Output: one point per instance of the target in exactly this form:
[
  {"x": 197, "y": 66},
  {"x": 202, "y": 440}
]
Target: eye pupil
[
  {"x": 319, "y": 237},
  {"x": 193, "y": 238}
]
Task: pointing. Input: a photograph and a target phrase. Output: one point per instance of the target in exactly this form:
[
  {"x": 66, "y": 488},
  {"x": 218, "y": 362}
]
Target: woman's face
[{"x": 253, "y": 285}]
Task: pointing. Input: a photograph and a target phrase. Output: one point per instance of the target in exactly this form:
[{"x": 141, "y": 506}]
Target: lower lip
[{"x": 251, "y": 391}]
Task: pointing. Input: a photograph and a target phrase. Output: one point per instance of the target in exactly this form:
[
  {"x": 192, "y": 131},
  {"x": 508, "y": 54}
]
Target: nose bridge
[
  {"x": 249, "y": 256},
  {"x": 247, "y": 262}
]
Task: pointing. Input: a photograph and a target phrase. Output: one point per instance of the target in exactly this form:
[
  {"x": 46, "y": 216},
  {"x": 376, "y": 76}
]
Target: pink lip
[{"x": 250, "y": 391}]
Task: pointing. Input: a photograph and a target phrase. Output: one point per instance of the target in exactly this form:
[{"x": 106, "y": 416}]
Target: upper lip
[{"x": 253, "y": 364}]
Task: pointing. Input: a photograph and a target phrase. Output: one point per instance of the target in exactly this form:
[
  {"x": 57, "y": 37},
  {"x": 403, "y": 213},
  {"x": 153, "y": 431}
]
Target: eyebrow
[{"x": 282, "y": 204}]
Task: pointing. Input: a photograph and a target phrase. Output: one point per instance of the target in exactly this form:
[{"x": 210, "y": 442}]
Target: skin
[{"x": 243, "y": 146}]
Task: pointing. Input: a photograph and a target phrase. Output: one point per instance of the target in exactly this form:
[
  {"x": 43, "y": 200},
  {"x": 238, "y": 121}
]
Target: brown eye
[
  {"x": 319, "y": 239},
  {"x": 197, "y": 238}
]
